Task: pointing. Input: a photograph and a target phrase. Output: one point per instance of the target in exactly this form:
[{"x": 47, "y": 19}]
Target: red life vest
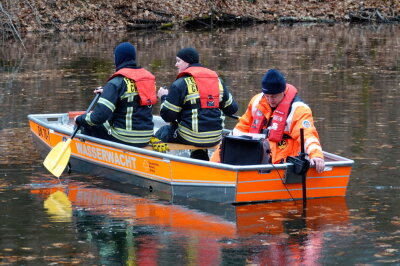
[
  {"x": 207, "y": 83},
  {"x": 145, "y": 83},
  {"x": 258, "y": 122},
  {"x": 279, "y": 117}
]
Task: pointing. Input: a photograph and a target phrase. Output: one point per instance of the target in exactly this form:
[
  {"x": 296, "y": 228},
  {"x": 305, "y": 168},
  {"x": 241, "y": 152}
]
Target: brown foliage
[{"x": 89, "y": 15}]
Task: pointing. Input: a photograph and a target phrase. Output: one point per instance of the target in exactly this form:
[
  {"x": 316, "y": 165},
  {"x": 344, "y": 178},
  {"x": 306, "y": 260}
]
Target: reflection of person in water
[
  {"x": 292, "y": 238},
  {"x": 295, "y": 249}
]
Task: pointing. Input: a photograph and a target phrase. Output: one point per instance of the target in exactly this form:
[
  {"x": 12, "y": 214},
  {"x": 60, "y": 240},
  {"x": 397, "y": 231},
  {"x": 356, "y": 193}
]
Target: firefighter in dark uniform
[
  {"x": 195, "y": 104},
  {"x": 124, "y": 111}
]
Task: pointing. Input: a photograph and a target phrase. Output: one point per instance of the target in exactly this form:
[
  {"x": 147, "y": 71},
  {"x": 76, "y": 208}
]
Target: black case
[{"x": 241, "y": 150}]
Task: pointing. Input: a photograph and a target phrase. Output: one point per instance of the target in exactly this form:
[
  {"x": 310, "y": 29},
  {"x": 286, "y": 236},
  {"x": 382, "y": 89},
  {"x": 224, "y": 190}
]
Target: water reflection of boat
[
  {"x": 276, "y": 232},
  {"x": 241, "y": 220},
  {"x": 180, "y": 176},
  {"x": 140, "y": 211}
]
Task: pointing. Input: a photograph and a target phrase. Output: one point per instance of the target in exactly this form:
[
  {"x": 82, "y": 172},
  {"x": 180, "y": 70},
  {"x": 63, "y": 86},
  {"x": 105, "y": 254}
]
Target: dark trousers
[{"x": 168, "y": 133}]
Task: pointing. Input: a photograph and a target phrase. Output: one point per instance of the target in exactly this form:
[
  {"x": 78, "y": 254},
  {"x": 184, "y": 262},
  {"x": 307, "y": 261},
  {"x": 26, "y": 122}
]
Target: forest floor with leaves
[{"x": 22, "y": 16}]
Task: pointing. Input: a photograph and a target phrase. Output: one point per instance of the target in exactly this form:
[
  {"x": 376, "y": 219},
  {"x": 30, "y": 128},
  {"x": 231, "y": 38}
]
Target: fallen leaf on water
[
  {"x": 339, "y": 254},
  {"x": 388, "y": 261},
  {"x": 397, "y": 223},
  {"x": 281, "y": 219},
  {"x": 387, "y": 238},
  {"x": 58, "y": 245},
  {"x": 383, "y": 245},
  {"x": 275, "y": 214}
]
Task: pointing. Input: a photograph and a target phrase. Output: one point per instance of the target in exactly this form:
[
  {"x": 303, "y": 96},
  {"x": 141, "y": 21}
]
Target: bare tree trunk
[{"x": 8, "y": 25}]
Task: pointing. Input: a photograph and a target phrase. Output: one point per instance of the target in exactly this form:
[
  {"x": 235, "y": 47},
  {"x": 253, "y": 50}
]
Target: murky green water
[{"x": 349, "y": 75}]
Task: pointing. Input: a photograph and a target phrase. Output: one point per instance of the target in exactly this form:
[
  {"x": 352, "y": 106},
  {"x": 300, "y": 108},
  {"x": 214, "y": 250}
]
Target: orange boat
[{"x": 178, "y": 176}]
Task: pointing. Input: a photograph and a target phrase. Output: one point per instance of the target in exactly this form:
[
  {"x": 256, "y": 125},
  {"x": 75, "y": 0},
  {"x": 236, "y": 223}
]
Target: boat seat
[{"x": 178, "y": 146}]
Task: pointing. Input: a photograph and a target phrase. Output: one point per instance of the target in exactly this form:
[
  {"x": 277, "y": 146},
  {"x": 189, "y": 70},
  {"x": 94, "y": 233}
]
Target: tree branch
[{"x": 11, "y": 25}]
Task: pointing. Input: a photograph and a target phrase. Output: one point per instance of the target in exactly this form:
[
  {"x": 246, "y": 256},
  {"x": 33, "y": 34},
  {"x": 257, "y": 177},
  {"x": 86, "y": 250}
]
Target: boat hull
[
  {"x": 177, "y": 177},
  {"x": 165, "y": 190}
]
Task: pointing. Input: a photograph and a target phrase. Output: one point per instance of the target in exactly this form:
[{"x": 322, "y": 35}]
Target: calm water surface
[{"x": 349, "y": 75}]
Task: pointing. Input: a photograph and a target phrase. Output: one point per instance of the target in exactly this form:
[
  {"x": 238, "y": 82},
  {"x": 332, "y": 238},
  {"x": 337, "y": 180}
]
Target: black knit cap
[
  {"x": 273, "y": 82},
  {"x": 189, "y": 55},
  {"x": 124, "y": 55}
]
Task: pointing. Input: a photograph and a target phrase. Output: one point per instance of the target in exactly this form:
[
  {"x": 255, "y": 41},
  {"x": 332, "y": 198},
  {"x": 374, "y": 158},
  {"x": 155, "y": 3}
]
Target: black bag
[{"x": 243, "y": 150}]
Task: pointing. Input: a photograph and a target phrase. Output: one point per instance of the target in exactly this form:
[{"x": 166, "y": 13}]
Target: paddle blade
[{"x": 58, "y": 158}]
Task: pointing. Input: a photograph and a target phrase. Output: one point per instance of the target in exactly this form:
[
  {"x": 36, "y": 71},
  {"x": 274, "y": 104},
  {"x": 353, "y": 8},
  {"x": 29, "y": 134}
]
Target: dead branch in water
[{"x": 373, "y": 15}]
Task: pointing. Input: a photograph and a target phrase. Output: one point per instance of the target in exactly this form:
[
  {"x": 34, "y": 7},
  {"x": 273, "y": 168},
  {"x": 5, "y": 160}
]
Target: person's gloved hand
[
  {"x": 77, "y": 120},
  {"x": 161, "y": 92},
  {"x": 319, "y": 164},
  {"x": 158, "y": 145}
]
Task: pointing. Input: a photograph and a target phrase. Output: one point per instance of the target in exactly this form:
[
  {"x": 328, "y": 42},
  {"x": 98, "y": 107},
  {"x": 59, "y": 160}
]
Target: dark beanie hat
[
  {"x": 189, "y": 55},
  {"x": 124, "y": 52},
  {"x": 273, "y": 82}
]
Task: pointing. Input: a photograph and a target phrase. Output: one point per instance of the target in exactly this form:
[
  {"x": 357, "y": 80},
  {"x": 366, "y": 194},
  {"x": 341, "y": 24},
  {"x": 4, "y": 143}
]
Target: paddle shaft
[
  {"x": 234, "y": 116},
  {"x": 94, "y": 101}
]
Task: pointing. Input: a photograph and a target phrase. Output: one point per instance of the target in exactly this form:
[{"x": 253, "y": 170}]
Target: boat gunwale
[{"x": 38, "y": 118}]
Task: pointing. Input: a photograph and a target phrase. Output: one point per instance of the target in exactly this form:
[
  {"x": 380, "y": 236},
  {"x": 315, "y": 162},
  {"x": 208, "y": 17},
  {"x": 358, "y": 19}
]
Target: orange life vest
[
  {"x": 207, "y": 83},
  {"x": 278, "y": 123},
  {"x": 145, "y": 83}
]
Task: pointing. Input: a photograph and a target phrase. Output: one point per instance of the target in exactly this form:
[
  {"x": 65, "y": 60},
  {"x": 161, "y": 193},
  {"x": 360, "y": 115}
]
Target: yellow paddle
[{"x": 58, "y": 157}]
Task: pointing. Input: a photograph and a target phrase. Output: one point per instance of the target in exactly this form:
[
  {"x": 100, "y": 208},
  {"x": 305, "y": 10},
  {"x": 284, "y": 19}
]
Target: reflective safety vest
[
  {"x": 145, "y": 84},
  {"x": 278, "y": 123},
  {"x": 207, "y": 83}
]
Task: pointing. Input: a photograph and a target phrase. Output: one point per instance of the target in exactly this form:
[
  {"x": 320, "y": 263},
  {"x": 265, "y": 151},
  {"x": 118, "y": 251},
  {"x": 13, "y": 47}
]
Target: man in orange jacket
[{"x": 279, "y": 113}]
